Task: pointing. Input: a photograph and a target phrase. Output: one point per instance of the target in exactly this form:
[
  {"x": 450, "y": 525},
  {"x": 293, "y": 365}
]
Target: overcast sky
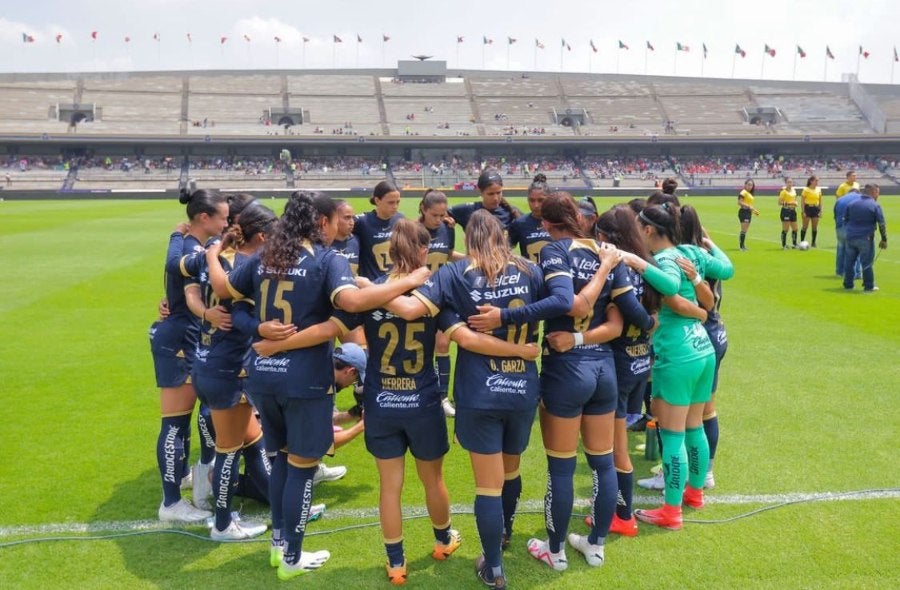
[{"x": 431, "y": 28}]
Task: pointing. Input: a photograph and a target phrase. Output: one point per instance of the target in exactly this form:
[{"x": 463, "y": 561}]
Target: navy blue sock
[
  {"x": 207, "y": 435},
  {"x": 604, "y": 496},
  {"x": 395, "y": 553},
  {"x": 257, "y": 469},
  {"x": 296, "y": 500},
  {"x": 512, "y": 489},
  {"x": 276, "y": 488},
  {"x": 186, "y": 442},
  {"x": 442, "y": 535},
  {"x": 225, "y": 475},
  {"x": 711, "y": 427},
  {"x": 442, "y": 362},
  {"x": 625, "y": 495},
  {"x": 558, "y": 499},
  {"x": 489, "y": 521},
  {"x": 170, "y": 455}
]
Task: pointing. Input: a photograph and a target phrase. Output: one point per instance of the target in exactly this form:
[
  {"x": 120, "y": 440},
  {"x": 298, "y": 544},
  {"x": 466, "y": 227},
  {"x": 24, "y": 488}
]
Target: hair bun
[
  {"x": 185, "y": 196},
  {"x": 540, "y": 177}
]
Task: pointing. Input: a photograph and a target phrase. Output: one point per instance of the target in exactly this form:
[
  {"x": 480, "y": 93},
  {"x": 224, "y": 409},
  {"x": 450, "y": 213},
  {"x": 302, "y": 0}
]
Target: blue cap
[{"x": 353, "y": 355}]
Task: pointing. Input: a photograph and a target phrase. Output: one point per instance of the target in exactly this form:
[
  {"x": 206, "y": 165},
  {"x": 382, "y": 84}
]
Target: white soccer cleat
[
  {"x": 449, "y": 410},
  {"x": 182, "y": 511},
  {"x": 593, "y": 554},
  {"x": 236, "y": 531},
  {"x": 326, "y": 473},
  {"x": 202, "y": 486},
  {"x": 540, "y": 550},
  {"x": 657, "y": 482},
  {"x": 309, "y": 560}
]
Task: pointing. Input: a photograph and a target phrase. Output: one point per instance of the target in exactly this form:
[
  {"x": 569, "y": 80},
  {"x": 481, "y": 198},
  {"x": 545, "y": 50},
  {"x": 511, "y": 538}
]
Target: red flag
[
  {"x": 94, "y": 35},
  {"x": 800, "y": 52},
  {"x": 59, "y": 37},
  {"x": 358, "y": 38},
  {"x": 26, "y": 38},
  {"x": 650, "y": 47},
  {"x": 277, "y": 39},
  {"x": 222, "y": 40},
  {"x": 460, "y": 38},
  {"x": 828, "y": 53},
  {"x": 487, "y": 41},
  {"x": 770, "y": 50},
  {"x": 127, "y": 39},
  {"x": 156, "y": 36},
  {"x": 863, "y": 52},
  {"x": 190, "y": 40},
  {"x": 739, "y": 51},
  {"x": 385, "y": 38},
  {"x": 681, "y": 47},
  {"x": 621, "y": 45},
  {"x": 247, "y": 38},
  {"x": 538, "y": 44},
  {"x": 337, "y": 39}
]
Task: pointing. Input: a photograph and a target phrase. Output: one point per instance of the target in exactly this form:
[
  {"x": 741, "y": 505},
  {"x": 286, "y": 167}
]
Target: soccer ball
[{"x": 804, "y": 245}]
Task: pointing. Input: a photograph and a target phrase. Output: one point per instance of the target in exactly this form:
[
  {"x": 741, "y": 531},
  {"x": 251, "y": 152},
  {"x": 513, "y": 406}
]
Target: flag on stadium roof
[
  {"x": 896, "y": 57},
  {"x": 739, "y": 51},
  {"x": 769, "y": 50},
  {"x": 486, "y": 41},
  {"x": 26, "y": 38},
  {"x": 190, "y": 40},
  {"x": 800, "y": 52},
  {"x": 681, "y": 47},
  {"x": 358, "y": 38},
  {"x": 337, "y": 39},
  {"x": 594, "y": 47},
  {"x": 59, "y": 37},
  {"x": 511, "y": 40},
  {"x": 385, "y": 38},
  {"x": 247, "y": 38},
  {"x": 828, "y": 53},
  {"x": 538, "y": 44},
  {"x": 622, "y": 45},
  {"x": 156, "y": 36},
  {"x": 222, "y": 40},
  {"x": 705, "y": 51},
  {"x": 277, "y": 39},
  {"x": 460, "y": 38},
  {"x": 650, "y": 47},
  {"x": 127, "y": 39},
  {"x": 94, "y": 35},
  {"x": 863, "y": 52},
  {"x": 306, "y": 39}
]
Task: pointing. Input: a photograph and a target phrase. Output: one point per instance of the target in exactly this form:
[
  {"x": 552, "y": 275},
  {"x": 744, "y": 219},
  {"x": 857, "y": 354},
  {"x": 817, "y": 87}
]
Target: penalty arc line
[{"x": 414, "y": 511}]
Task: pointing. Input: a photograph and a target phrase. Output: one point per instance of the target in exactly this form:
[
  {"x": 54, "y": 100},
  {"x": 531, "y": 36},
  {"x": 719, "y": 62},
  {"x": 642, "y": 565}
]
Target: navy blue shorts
[
  {"x": 574, "y": 384},
  {"x": 423, "y": 432},
  {"x": 631, "y": 393},
  {"x": 301, "y": 425},
  {"x": 494, "y": 431},
  {"x": 219, "y": 392},
  {"x": 173, "y": 353},
  {"x": 745, "y": 215},
  {"x": 719, "y": 339}
]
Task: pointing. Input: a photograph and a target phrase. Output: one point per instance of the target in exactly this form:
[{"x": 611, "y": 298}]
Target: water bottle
[{"x": 651, "y": 445}]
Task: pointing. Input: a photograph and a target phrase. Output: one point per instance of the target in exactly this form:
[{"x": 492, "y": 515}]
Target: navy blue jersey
[
  {"x": 400, "y": 374},
  {"x": 304, "y": 297},
  {"x": 176, "y": 278},
  {"x": 349, "y": 249},
  {"x": 485, "y": 382},
  {"x": 632, "y": 348},
  {"x": 217, "y": 351},
  {"x": 443, "y": 240},
  {"x": 462, "y": 213},
  {"x": 529, "y": 234},
  {"x": 374, "y": 235},
  {"x": 576, "y": 260}
]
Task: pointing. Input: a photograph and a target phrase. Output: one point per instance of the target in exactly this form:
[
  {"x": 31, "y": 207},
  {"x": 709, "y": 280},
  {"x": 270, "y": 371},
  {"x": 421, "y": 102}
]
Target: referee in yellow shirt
[
  {"x": 812, "y": 208},
  {"x": 746, "y": 210},
  {"x": 787, "y": 198}
]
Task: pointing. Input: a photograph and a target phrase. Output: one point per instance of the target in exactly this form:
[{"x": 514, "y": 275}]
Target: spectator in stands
[{"x": 860, "y": 219}]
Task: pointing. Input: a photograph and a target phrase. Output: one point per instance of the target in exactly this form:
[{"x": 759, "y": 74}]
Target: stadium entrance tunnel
[
  {"x": 285, "y": 121},
  {"x": 73, "y": 114}
]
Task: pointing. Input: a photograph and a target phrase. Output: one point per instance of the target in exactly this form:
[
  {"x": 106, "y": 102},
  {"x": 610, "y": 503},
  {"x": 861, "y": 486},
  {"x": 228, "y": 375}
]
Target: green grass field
[{"x": 807, "y": 403}]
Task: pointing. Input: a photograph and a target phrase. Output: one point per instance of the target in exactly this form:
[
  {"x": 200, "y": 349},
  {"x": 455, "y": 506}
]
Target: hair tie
[{"x": 649, "y": 221}]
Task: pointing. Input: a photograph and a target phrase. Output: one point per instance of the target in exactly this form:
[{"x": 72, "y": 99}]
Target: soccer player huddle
[{"x": 629, "y": 303}]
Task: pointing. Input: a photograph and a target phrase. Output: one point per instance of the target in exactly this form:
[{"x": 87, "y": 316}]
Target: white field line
[
  {"x": 768, "y": 241},
  {"x": 533, "y": 505}
]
